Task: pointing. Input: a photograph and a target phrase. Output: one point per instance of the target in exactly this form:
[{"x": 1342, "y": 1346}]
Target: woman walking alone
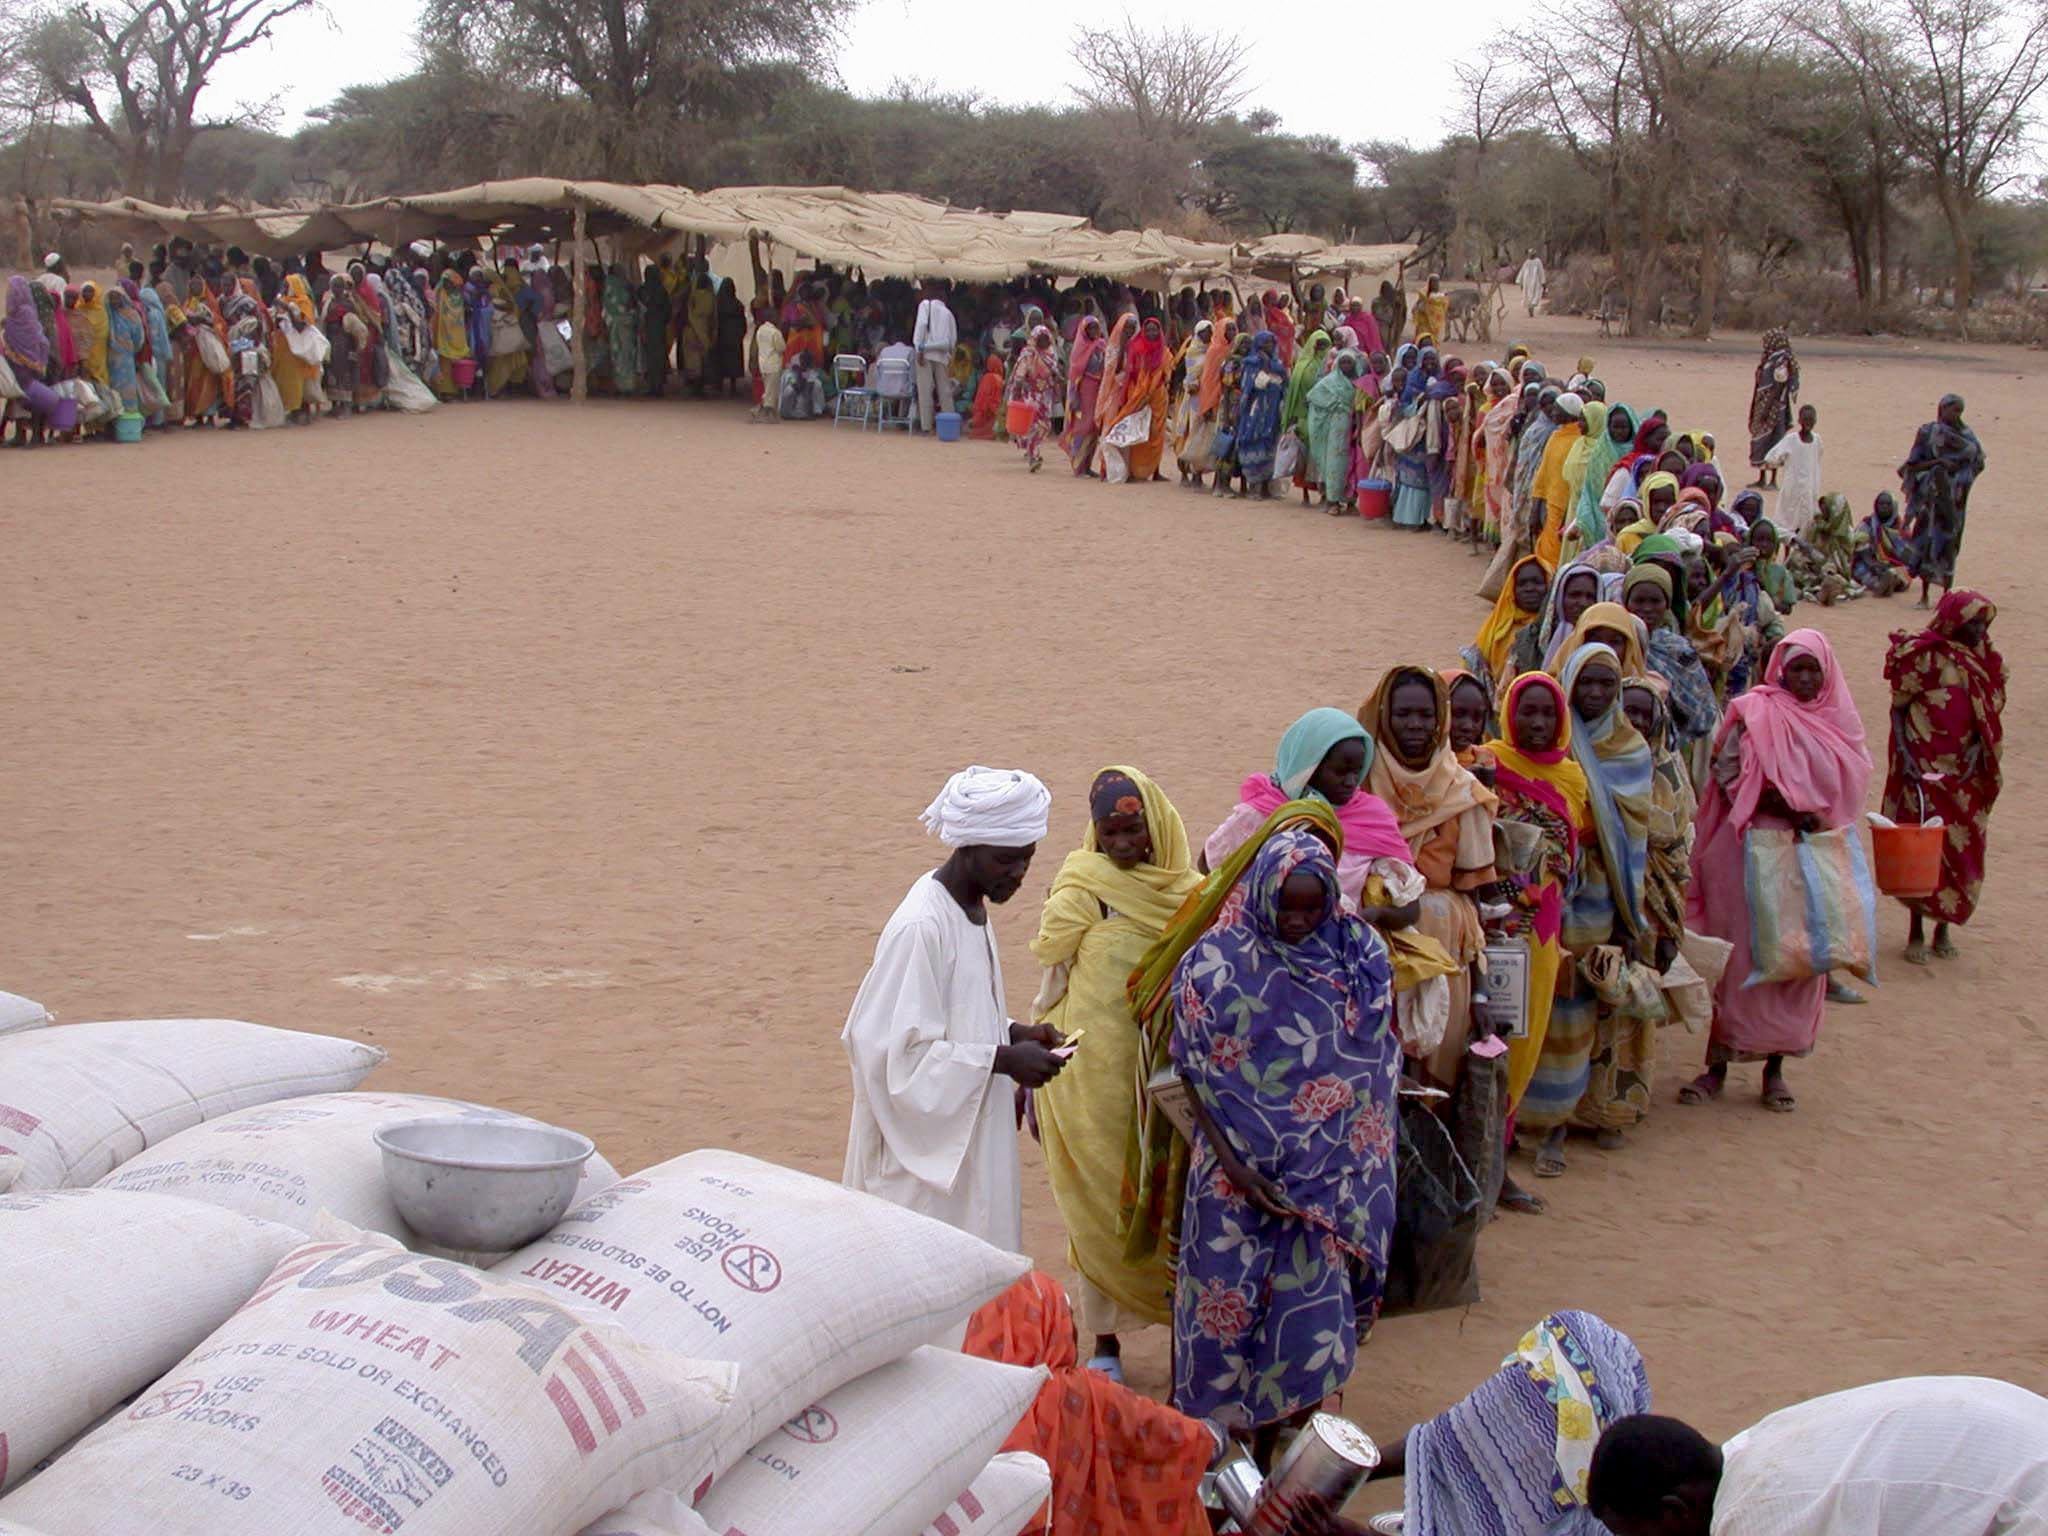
[
  {"x": 1948, "y": 738},
  {"x": 1035, "y": 381}
]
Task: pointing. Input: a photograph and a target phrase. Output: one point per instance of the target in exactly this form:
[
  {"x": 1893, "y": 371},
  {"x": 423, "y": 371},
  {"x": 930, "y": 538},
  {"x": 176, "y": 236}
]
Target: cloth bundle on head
[{"x": 990, "y": 807}]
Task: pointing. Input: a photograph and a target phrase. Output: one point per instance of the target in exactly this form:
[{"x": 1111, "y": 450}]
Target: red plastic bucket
[
  {"x": 1022, "y": 414},
  {"x": 1906, "y": 860},
  {"x": 464, "y": 369},
  {"x": 1375, "y": 498}
]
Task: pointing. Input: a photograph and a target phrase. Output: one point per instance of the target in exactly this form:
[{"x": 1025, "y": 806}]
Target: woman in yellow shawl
[
  {"x": 451, "y": 331},
  {"x": 292, "y": 372},
  {"x": 90, "y": 325},
  {"x": 1110, "y": 903},
  {"x": 1543, "y": 796},
  {"x": 1519, "y": 604},
  {"x": 1611, "y": 625},
  {"x": 1155, "y": 1153},
  {"x": 1446, "y": 815}
]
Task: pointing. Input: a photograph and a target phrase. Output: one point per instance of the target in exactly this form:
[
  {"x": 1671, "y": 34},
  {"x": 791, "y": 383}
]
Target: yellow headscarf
[
  {"x": 1607, "y": 616},
  {"x": 89, "y": 324},
  {"x": 1496, "y": 636},
  {"x": 1151, "y": 893}
]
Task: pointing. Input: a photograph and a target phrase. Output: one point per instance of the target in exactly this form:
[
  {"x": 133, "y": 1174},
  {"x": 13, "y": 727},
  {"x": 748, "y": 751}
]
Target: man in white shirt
[
  {"x": 899, "y": 388},
  {"x": 934, "y": 337},
  {"x": 1921, "y": 1456},
  {"x": 929, "y": 1037},
  {"x": 1796, "y": 457}
]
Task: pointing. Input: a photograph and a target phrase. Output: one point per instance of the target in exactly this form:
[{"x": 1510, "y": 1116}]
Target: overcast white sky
[{"x": 982, "y": 47}]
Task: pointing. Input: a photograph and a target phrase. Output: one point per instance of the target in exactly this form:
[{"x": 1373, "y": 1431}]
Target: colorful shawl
[
  {"x": 1618, "y": 768},
  {"x": 1512, "y": 1459}
]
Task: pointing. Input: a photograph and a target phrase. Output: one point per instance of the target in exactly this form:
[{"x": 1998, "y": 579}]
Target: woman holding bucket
[
  {"x": 1948, "y": 731},
  {"x": 1034, "y": 384},
  {"x": 1790, "y": 753}
]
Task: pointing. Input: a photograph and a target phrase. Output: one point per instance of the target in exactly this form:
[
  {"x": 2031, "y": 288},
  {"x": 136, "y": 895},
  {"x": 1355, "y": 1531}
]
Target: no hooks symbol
[
  {"x": 170, "y": 1400},
  {"x": 751, "y": 1267},
  {"x": 814, "y": 1426}
]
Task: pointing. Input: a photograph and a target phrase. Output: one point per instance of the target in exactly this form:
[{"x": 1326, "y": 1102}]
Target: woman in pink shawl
[
  {"x": 1361, "y": 323},
  {"x": 1325, "y": 756},
  {"x": 1789, "y": 753},
  {"x": 1085, "y": 371}
]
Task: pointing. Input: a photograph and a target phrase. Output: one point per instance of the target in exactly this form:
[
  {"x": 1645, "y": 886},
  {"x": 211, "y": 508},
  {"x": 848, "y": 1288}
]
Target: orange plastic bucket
[
  {"x": 1022, "y": 414},
  {"x": 1906, "y": 859}
]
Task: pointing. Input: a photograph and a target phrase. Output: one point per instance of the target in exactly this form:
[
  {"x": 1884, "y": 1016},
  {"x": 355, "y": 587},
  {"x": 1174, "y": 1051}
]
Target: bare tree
[
  {"x": 1171, "y": 82},
  {"x": 135, "y": 71},
  {"x": 1495, "y": 98},
  {"x": 1956, "y": 81}
]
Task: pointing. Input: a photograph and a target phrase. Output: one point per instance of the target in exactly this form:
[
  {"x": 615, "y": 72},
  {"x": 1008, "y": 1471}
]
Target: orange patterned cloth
[{"x": 1122, "y": 1465}]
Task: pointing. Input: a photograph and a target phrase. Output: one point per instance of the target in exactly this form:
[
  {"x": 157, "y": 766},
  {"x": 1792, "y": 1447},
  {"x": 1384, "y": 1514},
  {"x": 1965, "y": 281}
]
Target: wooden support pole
[{"x": 579, "y": 379}]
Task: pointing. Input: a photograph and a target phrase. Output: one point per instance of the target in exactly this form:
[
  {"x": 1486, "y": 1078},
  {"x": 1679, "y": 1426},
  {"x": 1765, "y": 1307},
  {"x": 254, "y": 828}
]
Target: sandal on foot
[
  {"x": 1842, "y": 992},
  {"x": 1609, "y": 1140},
  {"x": 1549, "y": 1163},
  {"x": 1778, "y": 1098},
  {"x": 1944, "y": 948},
  {"x": 1111, "y": 1366},
  {"x": 1702, "y": 1089},
  {"x": 1916, "y": 954},
  {"x": 1519, "y": 1199}
]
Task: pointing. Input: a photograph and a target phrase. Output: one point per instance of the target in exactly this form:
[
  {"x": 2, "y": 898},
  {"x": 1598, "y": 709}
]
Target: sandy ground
[{"x": 575, "y": 755}]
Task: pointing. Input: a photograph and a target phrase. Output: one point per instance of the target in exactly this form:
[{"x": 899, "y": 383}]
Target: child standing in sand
[{"x": 1797, "y": 459}]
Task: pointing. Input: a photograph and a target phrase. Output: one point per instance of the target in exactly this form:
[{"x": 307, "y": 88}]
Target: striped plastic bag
[{"x": 1812, "y": 905}]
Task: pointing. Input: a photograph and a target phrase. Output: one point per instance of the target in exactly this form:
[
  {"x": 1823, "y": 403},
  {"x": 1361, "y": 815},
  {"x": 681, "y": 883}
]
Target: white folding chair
[
  {"x": 852, "y": 400},
  {"x": 895, "y": 394}
]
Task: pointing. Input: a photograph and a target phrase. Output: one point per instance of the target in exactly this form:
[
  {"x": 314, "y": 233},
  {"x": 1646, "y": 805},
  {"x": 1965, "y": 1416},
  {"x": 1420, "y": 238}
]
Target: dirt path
[{"x": 575, "y": 756}]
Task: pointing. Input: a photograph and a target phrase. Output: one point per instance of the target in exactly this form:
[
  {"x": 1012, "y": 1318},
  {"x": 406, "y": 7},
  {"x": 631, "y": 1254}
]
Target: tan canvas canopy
[{"x": 885, "y": 234}]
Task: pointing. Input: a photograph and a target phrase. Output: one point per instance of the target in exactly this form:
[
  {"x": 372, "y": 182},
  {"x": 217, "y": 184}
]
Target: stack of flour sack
[{"x": 216, "y": 1324}]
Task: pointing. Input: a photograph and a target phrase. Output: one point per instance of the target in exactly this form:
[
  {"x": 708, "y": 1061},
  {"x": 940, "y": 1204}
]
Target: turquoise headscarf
[
  {"x": 1601, "y": 458},
  {"x": 1308, "y": 741},
  {"x": 1618, "y": 765}
]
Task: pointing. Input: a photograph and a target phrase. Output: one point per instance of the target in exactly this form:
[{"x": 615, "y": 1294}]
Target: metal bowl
[{"x": 488, "y": 1186}]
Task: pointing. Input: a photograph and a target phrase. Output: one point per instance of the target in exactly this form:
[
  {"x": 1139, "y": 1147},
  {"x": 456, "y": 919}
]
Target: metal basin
[{"x": 483, "y": 1185}]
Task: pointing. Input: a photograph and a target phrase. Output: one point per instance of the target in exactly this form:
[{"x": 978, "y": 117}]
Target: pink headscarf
[
  {"x": 1370, "y": 830},
  {"x": 1813, "y": 754}
]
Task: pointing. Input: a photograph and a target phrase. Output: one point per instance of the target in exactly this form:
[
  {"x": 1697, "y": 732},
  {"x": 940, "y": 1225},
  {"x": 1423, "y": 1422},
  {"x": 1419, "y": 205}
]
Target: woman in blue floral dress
[{"x": 1283, "y": 1027}]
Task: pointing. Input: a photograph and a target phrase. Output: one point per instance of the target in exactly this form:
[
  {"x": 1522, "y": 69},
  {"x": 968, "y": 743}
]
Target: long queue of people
[
  {"x": 1241, "y": 1048},
  {"x": 1478, "y": 899}
]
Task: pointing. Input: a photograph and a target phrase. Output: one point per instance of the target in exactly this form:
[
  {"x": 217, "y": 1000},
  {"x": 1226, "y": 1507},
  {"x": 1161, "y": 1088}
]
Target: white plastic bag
[
  {"x": 804, "y": 1284},
  {"x": 882, "y": 1456},
  {"x": 290, "y": 1161},
  {"x": 364, "y": 1387},
  {"x": 405, "y": 391},
  {"x": 104, "y": 1293},
  {"x": 554, "y": 350},
  {"x": 1287, "y": 455},
  {"x": 10, "y": 388},
  {"x": 309, "y": 344},
  {"x": 18, "y": 1013},
  {"x": 79, "y": 1099},
  {"x": 1132, "y": 430},
  {"x": 269, "y": 411},
  {"x": 213, "y": 352},
  {"x": 507, "y": 336}
]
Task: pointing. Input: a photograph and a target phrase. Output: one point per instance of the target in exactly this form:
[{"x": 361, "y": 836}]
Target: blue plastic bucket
[
  {"x": 128, "y": 428},
  {"x": 948, "y": 425}
]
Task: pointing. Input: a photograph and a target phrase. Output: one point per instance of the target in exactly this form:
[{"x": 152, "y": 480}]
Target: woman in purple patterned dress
[{"x": 1283, "y": 1027}]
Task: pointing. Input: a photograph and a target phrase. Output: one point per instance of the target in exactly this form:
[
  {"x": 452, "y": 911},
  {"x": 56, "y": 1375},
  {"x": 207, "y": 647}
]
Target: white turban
[
  {"x": 1571, "y": 404},
  {"x": 991, "y": 807},
  {"x": 52, "y": 262}
]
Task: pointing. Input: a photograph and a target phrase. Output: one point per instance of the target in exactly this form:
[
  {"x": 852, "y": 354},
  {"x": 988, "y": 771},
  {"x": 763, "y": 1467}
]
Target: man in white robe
[
  {"x": 1531, "y": 278},
  {"x": 929, "y": 1039}
]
